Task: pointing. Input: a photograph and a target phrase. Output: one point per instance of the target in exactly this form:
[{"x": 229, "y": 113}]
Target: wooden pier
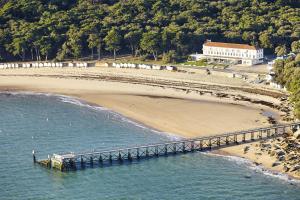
[{"x": 76, "y": 161}]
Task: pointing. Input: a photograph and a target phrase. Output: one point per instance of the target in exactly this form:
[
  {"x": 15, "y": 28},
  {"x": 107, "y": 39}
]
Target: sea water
[{"x": 50, "y": 124}]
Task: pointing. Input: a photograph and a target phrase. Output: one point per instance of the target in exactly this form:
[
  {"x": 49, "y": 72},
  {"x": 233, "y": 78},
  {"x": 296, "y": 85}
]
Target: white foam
[
  {"x": 116, "y": 116},
  {"x": 257, "y": 168}
]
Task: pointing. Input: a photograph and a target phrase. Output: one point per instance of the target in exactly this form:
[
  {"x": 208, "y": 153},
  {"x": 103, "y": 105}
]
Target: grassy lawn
[{"x": 199, "y": 63}]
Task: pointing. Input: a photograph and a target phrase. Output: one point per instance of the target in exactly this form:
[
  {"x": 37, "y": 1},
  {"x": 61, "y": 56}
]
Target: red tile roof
[{"x": 230, "y": 45}]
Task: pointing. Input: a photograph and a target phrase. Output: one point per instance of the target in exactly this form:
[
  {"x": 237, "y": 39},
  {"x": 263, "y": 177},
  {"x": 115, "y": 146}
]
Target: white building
[{"x": 232, "y": 53}]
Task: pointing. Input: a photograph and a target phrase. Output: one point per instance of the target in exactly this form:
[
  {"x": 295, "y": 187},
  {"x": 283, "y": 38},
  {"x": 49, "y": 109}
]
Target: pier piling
[{"x": 33, "y": 156}]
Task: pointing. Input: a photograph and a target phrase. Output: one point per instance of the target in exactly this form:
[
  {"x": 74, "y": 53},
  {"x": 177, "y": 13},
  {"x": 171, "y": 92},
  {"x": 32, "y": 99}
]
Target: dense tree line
[
  {"x": 287, "y": 73},
  {"x": 62, "y": 29}
]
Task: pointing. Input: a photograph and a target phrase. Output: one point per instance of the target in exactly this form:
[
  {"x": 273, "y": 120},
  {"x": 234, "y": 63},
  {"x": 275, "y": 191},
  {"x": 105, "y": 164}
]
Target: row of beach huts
[
  {"x": 143, "y": 66},
  {"x": 45, "y": 64}
]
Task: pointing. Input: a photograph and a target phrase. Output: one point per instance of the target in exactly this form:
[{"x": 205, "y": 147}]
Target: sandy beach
[
  {"x": 166, "y": 109},
  {"x": 202, "y": 106}
]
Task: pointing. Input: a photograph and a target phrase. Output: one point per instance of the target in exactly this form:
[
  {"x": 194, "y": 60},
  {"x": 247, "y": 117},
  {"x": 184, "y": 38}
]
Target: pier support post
[
  {"x": 91, "y": 161},
  {"x": 120, "y": 157},
  {"x": 129, "y": 155},
  {"x": 156, "y": 151},
  {"x": 268, "y": 133},
  {"x": 72, "y": 164},
  {"x": 33, "y": 156},
  {"x": 49, "y": 162},
  {"x": 100, "y": 160},
  {"x": 276, "y": 131},
  {"x": 147, "y": 152},
  {"x": 219, "y": 141},
  {"x": 174, "y": 148},
  {"x": 244, "y": 137},
  {"x": 166, "y": 150},
  {"x": 183, "y": 147},
  {"x": 260, "y": 135},
  {"x": 201, "y": 145},
  {"x": 138, "y": 153},
  {"x": 252, "y": 136},
  {"x": 227, "y": 140},
  {"x": 209, "y": 143},
  {"x": 235, "y": 139},
  {"x": 192, "y": 146},
  {"x": 110, "y": 158},
  {"x": 82, "y": 164}
]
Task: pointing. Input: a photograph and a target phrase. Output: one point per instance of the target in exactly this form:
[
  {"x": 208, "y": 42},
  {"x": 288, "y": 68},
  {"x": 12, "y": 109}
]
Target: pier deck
[{"x": 76, "y": 161}]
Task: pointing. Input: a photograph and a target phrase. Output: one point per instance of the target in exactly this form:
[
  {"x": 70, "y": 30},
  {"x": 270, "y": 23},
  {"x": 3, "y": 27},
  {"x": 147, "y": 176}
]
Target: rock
[
  {"x": 258, "y": 153},
  {"x": 276, "y": 146},
  {"x": 256, "y": 163},
  {"x": 297, "y": 173},
  {"x": 272, "y": 153},
  {"x": 285, "y": 146},
  {"x": 286, "y": 168},
  {"x": 276, "y": 163},
  {"x": 266, "y": 145},
  {"x": 294, "y": 168},
  {"x": 246, "y": 149},
  {"x": 297, "y": 134},
  {"x": 290, "y": 156},
  {"x": 281, "y": 158},
  {"x": 280, "y": 153}
]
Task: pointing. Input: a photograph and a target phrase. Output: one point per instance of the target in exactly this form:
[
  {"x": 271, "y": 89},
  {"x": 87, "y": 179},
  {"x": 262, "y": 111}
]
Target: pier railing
[{"x": 75, "y": 161}]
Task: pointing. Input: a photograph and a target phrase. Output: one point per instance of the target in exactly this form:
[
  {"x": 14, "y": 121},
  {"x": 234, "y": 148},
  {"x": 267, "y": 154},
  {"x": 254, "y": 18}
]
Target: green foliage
[
  {"x": 42, "y": 29},
  {"x": 296, "y": 46},
  {"x": 200, "y": 63},
  {"x": 169, "y": 57},
  {"x": 281, "y": 50},
  {"x": 287, "y": 73},
  {"x": 150, "y": 42},
  {"x": 297, "y": 58},
  {"x": 113, "y": 41}
]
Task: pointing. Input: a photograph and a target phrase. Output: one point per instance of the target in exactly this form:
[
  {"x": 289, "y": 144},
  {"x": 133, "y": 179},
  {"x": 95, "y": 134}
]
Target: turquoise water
[{"x": 52, "y": 124}]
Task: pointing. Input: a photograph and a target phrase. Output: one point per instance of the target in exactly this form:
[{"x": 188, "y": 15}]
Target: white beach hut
[
  {"x": 149, "y": 67},
  {"x": 171, "y": 68},
  {"x": 156, "y": 67}
]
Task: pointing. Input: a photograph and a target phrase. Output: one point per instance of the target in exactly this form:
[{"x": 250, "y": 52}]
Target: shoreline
[
  {"x": 255, "y": 166},
  {"x": 156, "y": 106}
]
